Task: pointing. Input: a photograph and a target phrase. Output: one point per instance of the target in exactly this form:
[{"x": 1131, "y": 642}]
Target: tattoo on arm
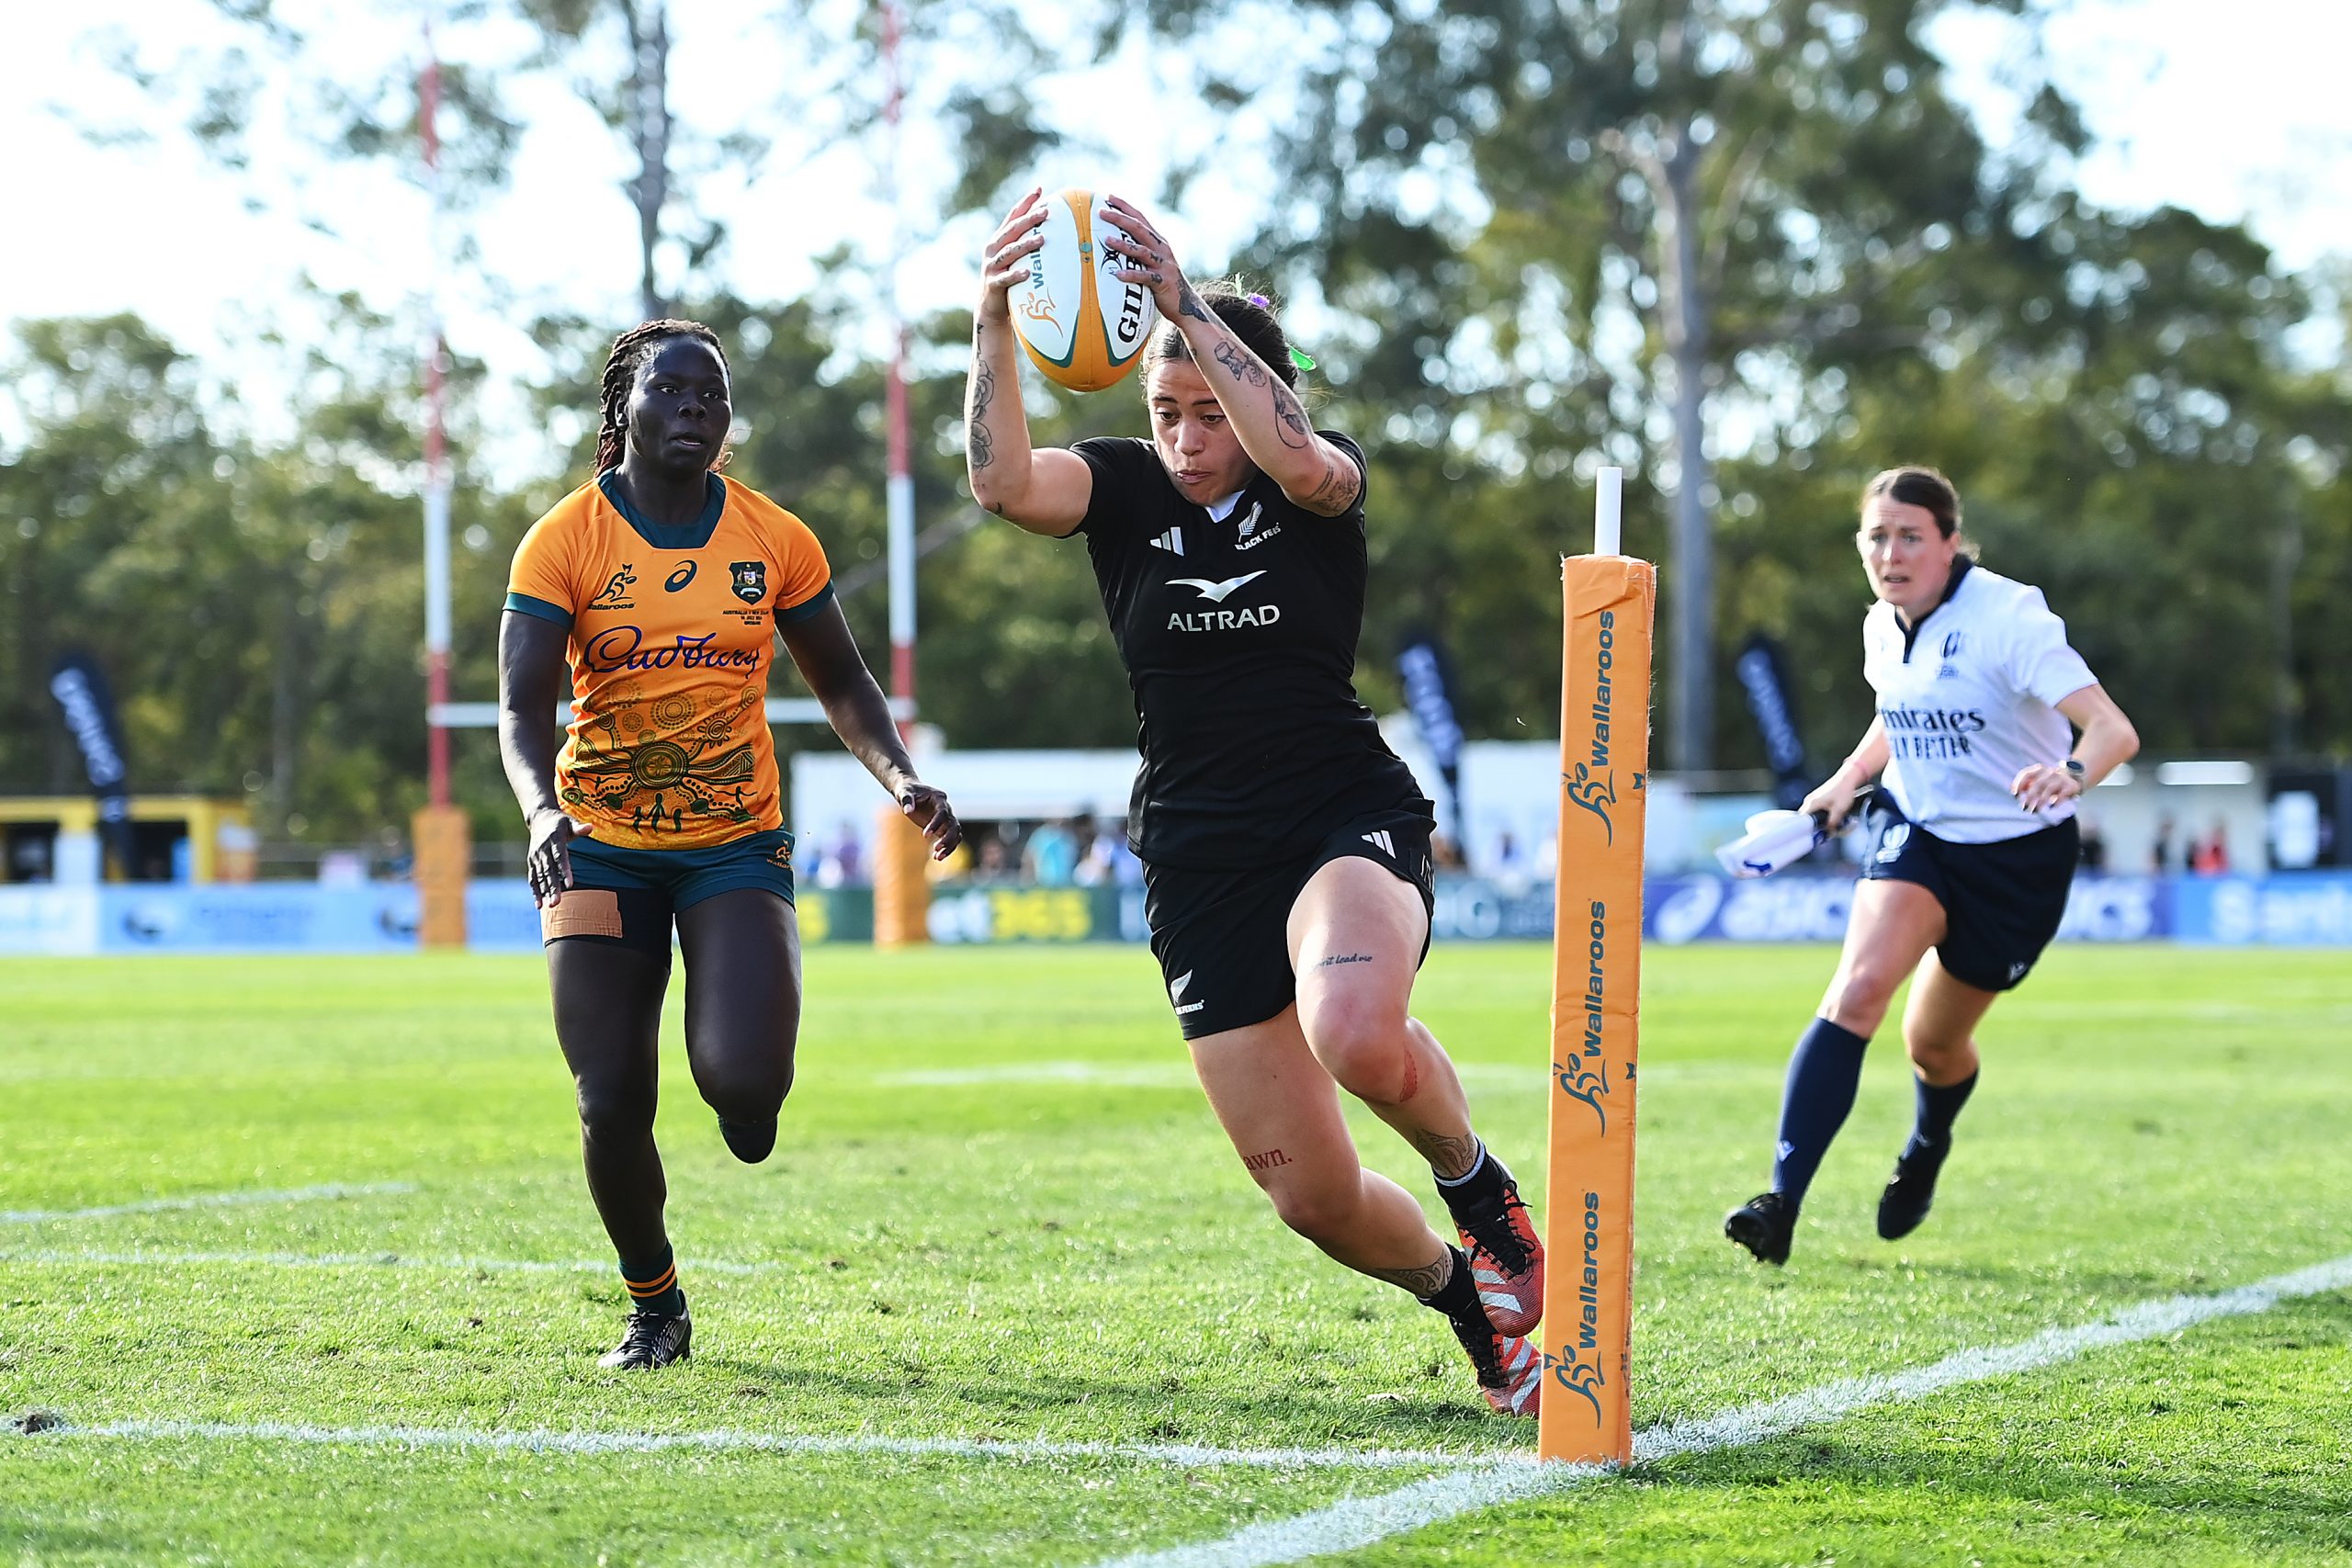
[
  {"x": 1291, "y": 419},
  {"x": 1244, "y": 368},
  {"x": 1448, "y": 1156},
  {"x": 1266, "y": 1161},
  {"x": 1344, "y": 958},
  {"x": 976, "y": 439},
  {"x": 1189, "y": 304},
  {"x": 1340, "y": 487},
  {"x": 1424, "y": 1282}
]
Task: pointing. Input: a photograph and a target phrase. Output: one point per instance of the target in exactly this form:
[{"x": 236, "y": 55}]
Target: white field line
[
  {"x": 207, "y": 1201},
  {"x": 158, "y": 1258},
  {"x": 1177, "y": 1076},
  {"x": 1360, "y": 1521},
  {"x": 1185, "y": 1455}
]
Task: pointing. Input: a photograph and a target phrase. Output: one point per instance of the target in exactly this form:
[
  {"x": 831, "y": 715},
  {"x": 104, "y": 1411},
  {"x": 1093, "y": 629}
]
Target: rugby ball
[{"x": 1081, "y": 325}]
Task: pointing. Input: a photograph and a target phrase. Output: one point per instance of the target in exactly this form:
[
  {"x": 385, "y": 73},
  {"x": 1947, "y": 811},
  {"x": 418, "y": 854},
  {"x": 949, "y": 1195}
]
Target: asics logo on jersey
[
  {"x": 1171, "y": 541},
  {"x": 679, "y": 577},
  {"x": 1176, "y": 994},
  {"x": 1214, "y": 592}
]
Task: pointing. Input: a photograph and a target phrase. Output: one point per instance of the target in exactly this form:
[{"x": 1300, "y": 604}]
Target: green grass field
[{"x": 1000, "y": 1211}]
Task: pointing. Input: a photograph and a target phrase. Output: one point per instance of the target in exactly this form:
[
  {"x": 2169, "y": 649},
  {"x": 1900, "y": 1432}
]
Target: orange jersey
[{"x": 673, "y": 631}]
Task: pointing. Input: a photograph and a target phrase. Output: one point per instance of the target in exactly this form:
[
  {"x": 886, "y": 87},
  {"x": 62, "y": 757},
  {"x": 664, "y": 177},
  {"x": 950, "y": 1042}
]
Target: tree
[{"x": 1622, "y": 224}]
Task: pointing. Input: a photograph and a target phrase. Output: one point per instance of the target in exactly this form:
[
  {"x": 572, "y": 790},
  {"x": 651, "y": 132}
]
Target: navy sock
[
  {"x": 1824, "y": 1071},
  {"x": 653, "y": 1283},
  {"x": 1938, "y": 1109}
]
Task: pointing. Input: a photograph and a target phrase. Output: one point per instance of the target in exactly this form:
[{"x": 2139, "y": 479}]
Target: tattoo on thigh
[
  {"x": 1424, "y": 1281},
  {"x": 1448, "y": 1156},
  {"x": 1343, "y": 958},
  {"x": 1267, "y": 1160}
]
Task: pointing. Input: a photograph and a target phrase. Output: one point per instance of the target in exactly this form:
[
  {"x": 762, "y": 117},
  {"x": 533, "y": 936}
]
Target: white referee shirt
[{"x": 1968, "y": 698}]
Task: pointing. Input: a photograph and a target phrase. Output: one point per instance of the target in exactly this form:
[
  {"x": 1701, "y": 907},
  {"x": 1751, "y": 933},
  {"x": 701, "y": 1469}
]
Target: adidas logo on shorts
[{"x": 1383, "y": 842}]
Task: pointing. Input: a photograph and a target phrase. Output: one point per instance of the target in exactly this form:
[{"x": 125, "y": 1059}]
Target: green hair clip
[{"x": 1300, "y": 360}]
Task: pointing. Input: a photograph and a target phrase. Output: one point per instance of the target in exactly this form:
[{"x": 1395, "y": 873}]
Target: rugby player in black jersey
[{"x": 1285, "y": 848}]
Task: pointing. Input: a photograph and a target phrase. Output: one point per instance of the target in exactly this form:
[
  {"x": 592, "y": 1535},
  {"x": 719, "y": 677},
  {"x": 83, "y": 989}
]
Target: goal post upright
[{"x": 1609, "y": 603}]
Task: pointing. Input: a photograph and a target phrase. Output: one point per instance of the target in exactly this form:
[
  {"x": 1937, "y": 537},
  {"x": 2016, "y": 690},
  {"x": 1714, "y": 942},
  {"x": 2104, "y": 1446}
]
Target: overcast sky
[{"x": 2236, "y": 112}]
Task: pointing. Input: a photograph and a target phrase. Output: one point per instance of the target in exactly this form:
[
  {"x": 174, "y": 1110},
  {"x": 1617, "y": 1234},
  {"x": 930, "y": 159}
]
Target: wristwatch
[{"x": 2075, "y": 769}]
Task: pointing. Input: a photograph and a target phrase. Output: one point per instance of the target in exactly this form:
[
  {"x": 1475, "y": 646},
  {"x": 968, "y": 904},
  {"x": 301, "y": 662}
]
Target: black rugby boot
[
  {"x": 652, "y": 1339},
  {"x": 1911, "y": 1191},
  {"x": 1763, "y": 1224}
]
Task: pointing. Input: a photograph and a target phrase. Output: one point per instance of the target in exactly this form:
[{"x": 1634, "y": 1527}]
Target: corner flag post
[{"x": 1608, "y": 601}]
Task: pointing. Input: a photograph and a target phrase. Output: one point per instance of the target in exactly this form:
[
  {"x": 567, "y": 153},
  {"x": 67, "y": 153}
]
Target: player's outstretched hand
[
  {"x": 1005, "y": 260},
  {"x": 548, "y": 863},
  {"x": 1147, "y": 256},
  {"x": 928, "y": 809},
  {"x": 2042, "y": 785}
]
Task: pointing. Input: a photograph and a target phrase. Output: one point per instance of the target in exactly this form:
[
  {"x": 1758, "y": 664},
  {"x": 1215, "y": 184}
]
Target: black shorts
[
  {"x": 1222, "y": 936},
  {"x": 626, "y": 897},
  {"x": 2002, "y": 901}
]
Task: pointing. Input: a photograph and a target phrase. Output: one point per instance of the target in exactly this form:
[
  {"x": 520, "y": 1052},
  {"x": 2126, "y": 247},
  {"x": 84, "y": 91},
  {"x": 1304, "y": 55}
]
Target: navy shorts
[
  {"x": 2002, "y": 901},
  {"x": 634, "y": 895},
  {"x": 1222, "y": 937}
]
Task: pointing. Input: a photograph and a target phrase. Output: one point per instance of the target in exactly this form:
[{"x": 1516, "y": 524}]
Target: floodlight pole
[
  {"x": 899, "y": 491},
  {"x": 436, "y": 456}
]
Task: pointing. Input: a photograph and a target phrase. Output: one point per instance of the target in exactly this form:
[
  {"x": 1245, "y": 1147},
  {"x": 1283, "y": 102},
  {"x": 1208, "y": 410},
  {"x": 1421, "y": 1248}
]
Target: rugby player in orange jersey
[{"x": 663, "y": 589}]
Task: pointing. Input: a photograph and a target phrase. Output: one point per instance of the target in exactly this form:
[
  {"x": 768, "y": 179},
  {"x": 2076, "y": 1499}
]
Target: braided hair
[{"x": 631, "y": 350}]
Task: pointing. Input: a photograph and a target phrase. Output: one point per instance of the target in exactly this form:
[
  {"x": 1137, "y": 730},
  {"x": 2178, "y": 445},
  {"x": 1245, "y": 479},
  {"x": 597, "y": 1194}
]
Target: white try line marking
[
  {"x": 207, "y": 1201},
  {"x": 1360, "y": 1521},
  {"x": 1185, "y": 1455},
  {"x": 158, "y": 1258}
]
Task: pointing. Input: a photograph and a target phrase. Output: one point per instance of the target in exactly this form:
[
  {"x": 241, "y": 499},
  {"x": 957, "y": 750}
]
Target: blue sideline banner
[
  {"x": 2306, "y": 909},
  {"x": 2311, "y": 908}
]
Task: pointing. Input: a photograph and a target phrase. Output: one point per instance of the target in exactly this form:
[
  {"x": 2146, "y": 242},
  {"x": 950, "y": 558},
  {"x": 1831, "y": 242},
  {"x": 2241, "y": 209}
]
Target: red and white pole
[
  {"x": 443, "y": 847},
  {"x": 899, "y": 493},
  {"x": 437, "y": 457}
]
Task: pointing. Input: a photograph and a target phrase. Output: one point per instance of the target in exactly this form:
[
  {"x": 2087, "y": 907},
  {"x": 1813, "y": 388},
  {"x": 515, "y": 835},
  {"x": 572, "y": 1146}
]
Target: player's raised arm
[
  {"x": 1267, "y": 419},
  {"x": 1045, "y": 492}
]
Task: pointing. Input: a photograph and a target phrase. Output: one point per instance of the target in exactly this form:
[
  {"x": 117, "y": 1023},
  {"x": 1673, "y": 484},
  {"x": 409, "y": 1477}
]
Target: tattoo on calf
[
  {"x": 1266, "y": 1161},
  {"x": 1448, "y": 1156},
  {"x": 1424, "y": 1282}
]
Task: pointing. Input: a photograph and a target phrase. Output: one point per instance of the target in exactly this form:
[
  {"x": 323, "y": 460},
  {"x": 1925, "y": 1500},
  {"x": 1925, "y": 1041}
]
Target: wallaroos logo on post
[{"x": 1596, "y": 989}]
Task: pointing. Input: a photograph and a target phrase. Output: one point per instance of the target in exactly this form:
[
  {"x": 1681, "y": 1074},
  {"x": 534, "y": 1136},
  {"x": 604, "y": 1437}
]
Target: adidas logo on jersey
[
  {"x": 1171, "y": 541},
  {"x": 1383, "y": 842}
]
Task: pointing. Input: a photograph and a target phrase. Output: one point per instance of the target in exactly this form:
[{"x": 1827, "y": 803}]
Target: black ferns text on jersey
[{"x": 1239, "y": 638}]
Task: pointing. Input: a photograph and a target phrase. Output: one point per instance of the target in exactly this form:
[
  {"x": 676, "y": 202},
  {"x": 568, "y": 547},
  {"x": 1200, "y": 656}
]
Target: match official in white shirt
[{"x": 1972, "y": 840}]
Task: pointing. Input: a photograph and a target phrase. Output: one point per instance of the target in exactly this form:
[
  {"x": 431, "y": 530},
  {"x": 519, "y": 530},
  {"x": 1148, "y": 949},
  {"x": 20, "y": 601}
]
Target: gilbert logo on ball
[{"x": 1081, "y": 325}]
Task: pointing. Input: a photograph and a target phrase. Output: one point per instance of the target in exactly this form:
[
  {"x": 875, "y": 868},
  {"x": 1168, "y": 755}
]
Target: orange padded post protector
[{"x": 1595, "y": 1010}]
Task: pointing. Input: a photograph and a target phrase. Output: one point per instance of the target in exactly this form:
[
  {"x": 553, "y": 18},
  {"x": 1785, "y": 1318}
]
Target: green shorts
[{"x": 652, "y": 885}]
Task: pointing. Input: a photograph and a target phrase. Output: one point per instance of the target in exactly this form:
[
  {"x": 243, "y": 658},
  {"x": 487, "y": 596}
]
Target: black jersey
[{"x": 1240, "y": 639}]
